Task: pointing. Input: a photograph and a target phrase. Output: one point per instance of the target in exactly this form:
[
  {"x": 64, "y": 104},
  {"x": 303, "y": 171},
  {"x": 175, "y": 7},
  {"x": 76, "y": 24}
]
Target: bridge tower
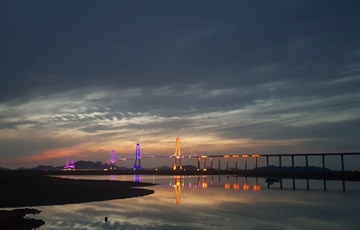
[
  {"x": 137, "y": 164},
  {"x": 112, "y": 160},
  {"x": 177, "y": 155}
]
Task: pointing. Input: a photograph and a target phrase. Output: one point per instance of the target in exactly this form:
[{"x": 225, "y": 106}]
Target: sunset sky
[{"x": 81, "y": 78}]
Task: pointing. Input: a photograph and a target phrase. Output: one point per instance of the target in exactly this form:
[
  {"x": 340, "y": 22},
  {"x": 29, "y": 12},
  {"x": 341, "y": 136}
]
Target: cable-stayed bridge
[{"x": 213, "y": 162}]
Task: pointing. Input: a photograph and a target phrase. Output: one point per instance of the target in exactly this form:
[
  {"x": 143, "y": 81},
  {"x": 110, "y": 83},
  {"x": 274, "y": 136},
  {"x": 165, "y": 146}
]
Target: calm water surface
[{"x": 218, "y": 202}]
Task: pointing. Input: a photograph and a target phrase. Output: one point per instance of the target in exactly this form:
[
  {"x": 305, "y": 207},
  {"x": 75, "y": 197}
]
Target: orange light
[
  {"x": 227, "y": 186},
  {"x": 246, "y": 187}
]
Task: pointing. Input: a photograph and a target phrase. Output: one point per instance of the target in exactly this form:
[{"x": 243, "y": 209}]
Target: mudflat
[{"x": 31, "y": 189}]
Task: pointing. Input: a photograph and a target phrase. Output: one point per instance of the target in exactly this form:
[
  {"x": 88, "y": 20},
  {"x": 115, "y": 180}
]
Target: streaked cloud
[{"x": 233, "y": 77}]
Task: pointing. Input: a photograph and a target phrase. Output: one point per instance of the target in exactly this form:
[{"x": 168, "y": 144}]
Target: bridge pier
[
  {"x": 292, "y": 164},
  {"x": 342, "y": 169},
  {"x": 236, "y": 162},
  {"x": 280, "y": 162},
  {"x": 211, "y": 162},
  {"x": 323, "y": 163},
  {"x": 227, "y": 163},
  {"x": 218, "y": 163},
  {"x": 198, "y": 159},
  {"x": 307, "y": 171},
  {"x": 204, "y": 162},
  {"x": 280, "y": 170},
  {"x": 255, "y": 156},
  {"x": 245, "y": 161}
]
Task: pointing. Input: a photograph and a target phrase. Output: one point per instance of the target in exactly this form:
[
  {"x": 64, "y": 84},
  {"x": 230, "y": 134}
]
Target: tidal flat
[{"x": 27, "y": 189}]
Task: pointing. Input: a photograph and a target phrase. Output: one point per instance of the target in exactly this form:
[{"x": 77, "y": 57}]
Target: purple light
[
  {"x": 137, "y": 155},
  {"x": 69, "y": 166},
  {"x": 137, "y": 164}
]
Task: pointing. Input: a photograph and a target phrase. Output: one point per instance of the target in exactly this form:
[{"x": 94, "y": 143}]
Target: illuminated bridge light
[
  {"x": 255, "y": 155},
  {"x": 246, "y": 187},
  {"x": 244, "y": 155},
  {"x": 226, "y": 156},
  {"x": 256, "y": 187},
  {"x": 177, "y": 161},
  {"x": 235, "y": 156}
]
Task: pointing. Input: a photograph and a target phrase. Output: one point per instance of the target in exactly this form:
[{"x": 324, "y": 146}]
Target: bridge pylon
[
  {"x": 177, "y": 155},
  {"x": 112, "y": 165},
  {"x": 137, "y": 164}
]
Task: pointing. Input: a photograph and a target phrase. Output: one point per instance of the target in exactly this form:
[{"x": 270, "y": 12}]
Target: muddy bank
[
  {"x": 34, "y": 190},
  {"x": 16, "y": 220}
]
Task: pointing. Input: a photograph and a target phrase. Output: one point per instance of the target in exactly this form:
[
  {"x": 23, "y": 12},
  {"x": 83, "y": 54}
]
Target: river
[{"x": 214, "y": 202}]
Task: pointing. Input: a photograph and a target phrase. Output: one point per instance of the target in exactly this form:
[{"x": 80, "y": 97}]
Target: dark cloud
[
  {"x": 53, "y": 46},
  {"x": 260, "y": 70}
]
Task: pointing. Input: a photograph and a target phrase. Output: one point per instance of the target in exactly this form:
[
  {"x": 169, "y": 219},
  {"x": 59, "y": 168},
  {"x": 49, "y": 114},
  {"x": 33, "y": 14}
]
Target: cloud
[{"x": 253, "y": 75}]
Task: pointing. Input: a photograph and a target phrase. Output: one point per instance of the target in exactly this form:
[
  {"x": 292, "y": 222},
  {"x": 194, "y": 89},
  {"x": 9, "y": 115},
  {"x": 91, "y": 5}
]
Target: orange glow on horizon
[{"x": 54, "y": 153}]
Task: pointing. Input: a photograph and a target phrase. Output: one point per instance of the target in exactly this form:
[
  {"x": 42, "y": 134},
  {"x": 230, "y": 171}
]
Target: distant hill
[
  {"x": 164, "y": 168},
  {"x": 190, "y": 167},
  {"x": 88, "y": 165},
  {"x": 43, "y": 167},
  {"x": 22, "y": 168},
  {"x": 78, "y": 165},
  {"x": 289, "y": 168},
  {"x": 4, "y": 168},
  {"x": 186, "y": 167}
]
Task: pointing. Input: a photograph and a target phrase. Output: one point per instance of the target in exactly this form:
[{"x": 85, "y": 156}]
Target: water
[{"x": 218, "y": 202}]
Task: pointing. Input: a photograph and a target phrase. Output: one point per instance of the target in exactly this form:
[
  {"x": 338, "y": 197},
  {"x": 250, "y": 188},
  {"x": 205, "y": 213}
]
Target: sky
[{"x": 81, "y": 78}]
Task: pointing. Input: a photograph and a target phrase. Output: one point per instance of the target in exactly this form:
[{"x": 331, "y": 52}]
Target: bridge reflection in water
[
  {"x": 227, "y": 182},
  {"x": 202, "y": 182}
]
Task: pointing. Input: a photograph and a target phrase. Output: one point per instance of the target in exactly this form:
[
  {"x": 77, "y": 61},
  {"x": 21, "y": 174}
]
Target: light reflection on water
[{"x": 212, "y": 202}]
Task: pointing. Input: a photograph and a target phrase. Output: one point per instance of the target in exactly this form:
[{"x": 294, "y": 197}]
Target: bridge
[{"x": 177, "y": 156}]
